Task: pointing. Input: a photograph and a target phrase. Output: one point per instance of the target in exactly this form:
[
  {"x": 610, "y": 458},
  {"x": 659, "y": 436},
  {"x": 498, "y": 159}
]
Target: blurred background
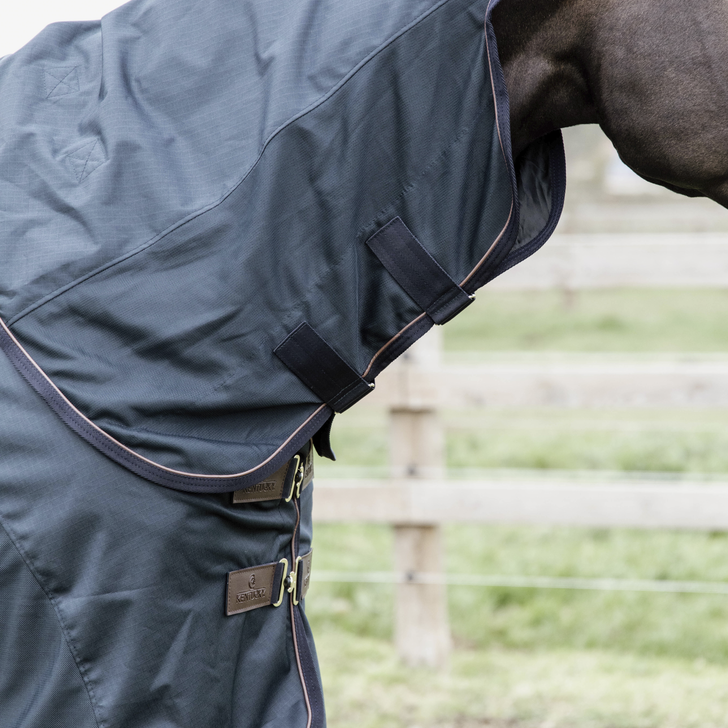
[
  {"x": 526, "y": 525},
  {"x": 580, "y": 507}
]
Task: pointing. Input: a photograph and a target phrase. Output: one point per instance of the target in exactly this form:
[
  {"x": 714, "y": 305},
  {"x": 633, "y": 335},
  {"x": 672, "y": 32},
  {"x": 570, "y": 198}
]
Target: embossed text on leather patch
[
  {"x": 304, "y": 574},
  {"x": 307, "y": 469},
  {"x": 250, "y": 588},
  {"x": 269, "y": 489}
]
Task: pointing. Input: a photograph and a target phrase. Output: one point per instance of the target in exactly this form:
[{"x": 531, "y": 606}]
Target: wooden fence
[{"x": 417, "y": 498}]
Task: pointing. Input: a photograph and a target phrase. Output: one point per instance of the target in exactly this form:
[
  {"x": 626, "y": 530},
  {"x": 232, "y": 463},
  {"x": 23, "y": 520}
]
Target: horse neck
[
  {"x": 544, "y": 50},
  {"x": 651, "y": 73}
]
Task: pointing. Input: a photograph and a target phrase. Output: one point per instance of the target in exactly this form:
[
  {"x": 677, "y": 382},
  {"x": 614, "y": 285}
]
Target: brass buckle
[
  {"x": 283, "y": 583},
  {"x": 297, "y": 478},
  {"x": 293, "y": 589}
]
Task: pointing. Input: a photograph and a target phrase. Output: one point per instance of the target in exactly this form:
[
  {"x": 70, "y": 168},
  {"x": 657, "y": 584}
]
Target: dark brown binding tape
[{"x": 132, "y": 461}]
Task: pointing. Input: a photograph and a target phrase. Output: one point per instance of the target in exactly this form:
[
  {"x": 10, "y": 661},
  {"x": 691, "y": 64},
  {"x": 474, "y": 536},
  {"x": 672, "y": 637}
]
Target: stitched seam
[
  {"x": 447, "y": 299},
  {"x": 56, "y": 609},
  {"x": 180, "y": 223}
]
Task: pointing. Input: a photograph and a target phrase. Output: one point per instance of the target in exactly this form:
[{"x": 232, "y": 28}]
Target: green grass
[
  {"x": 367, "y": 688},
  {"x": 531, "y": 658},
  {"x": 662, "y": 441},
  {"x": 554, "y": 444},
  {"x": 611, "y": 320}
]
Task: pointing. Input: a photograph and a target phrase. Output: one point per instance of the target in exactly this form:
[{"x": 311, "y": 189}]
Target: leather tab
[
  {"x": 303, "y": 575},
  {"x": 307, "y": 470},
  {"x": 271, "y": 488},
  {"x": 279, "y": 484},
  {"x": 252, "y": 588}
]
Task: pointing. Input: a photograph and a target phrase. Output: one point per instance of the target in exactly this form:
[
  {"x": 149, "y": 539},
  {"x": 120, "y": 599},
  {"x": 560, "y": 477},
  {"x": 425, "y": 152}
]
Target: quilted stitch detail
[
  {"x": 86, "y": 159},
  {"x": 61, "y": 81}
]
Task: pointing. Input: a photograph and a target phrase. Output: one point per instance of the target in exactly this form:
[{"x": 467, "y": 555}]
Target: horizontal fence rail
[
  {"x": 644, "y": 505},
  {"x": 570, "y": 382},
  {"x": 616, "y": 261}
]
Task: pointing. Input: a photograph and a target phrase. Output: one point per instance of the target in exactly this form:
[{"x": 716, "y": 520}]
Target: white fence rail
[
  {"x": 594, "y": 383},
  {"x": 617, "y": 261},
  {"x": 649, "y": 505}
]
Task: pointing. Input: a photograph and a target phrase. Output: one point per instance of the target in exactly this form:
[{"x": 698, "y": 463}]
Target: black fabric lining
[
  {"x": 112, "y": 449},
  {"x": 321, "y": 369},
  {"x": 417, "y": 272},
  {"x": 557, "y": 178}
]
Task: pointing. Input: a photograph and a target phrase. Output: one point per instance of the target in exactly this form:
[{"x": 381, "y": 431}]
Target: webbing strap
[
  {"x": 321, "y": 369},
  {"x": 417, "y": 272}
]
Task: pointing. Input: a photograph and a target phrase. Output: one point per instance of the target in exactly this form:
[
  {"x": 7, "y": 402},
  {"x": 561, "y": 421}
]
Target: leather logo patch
[
  {"x": 250, "y": 588},
  {"x": 266, "y": 490},
  {"x": 305, "y": 569},
  {"x": 307, "y": 469}
]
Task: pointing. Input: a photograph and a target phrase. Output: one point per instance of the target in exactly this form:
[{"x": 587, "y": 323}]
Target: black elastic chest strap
[
  {"x": 321, "y": 369},
  {"x": 417, "y": 272}
]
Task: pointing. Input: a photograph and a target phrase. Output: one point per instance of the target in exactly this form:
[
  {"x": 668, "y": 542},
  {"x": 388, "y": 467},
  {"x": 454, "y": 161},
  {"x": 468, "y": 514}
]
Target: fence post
[{"x": 422, "y": 633}]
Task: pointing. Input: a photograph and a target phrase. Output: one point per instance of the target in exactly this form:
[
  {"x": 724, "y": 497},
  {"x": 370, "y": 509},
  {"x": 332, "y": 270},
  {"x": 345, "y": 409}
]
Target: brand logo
[
  {"x": 249, "y": 596},
  {"x": 251, "y": 581},
  {"x": 265, "y": 486}
]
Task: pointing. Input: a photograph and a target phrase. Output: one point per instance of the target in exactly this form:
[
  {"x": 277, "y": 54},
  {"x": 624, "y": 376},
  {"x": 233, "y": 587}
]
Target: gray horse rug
[{"x": 219, "y": 221}]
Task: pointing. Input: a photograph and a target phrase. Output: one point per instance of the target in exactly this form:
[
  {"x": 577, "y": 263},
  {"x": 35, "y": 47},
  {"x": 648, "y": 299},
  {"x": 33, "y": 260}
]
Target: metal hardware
[
  {"x": 471, "y": 298},
  {"x": 297, "y": 478},
  {"x": 283, "y": 583},
  {"x": 291, "y": 581},
  {"x": 294, "y": 586}
]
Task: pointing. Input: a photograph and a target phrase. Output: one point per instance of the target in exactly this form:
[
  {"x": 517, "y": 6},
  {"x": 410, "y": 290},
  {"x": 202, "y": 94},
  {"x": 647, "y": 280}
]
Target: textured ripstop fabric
[
  {"x": 40, "y": 684},
  {"x": 130, "y": 577},
  {"x": 182, "y": 184}
]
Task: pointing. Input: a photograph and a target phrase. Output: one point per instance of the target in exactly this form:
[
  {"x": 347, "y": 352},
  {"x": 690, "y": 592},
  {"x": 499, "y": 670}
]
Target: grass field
[
  {"x": 534, "y": 657},
  {"x": 628, "y": 320}
]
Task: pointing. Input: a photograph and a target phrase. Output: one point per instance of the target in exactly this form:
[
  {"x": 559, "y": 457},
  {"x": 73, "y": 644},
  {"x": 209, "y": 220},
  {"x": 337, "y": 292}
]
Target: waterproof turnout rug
[{"x": 219, "y": 221}]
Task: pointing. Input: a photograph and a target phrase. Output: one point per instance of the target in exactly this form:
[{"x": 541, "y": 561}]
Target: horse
[{"x": 651, "y": 74}]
